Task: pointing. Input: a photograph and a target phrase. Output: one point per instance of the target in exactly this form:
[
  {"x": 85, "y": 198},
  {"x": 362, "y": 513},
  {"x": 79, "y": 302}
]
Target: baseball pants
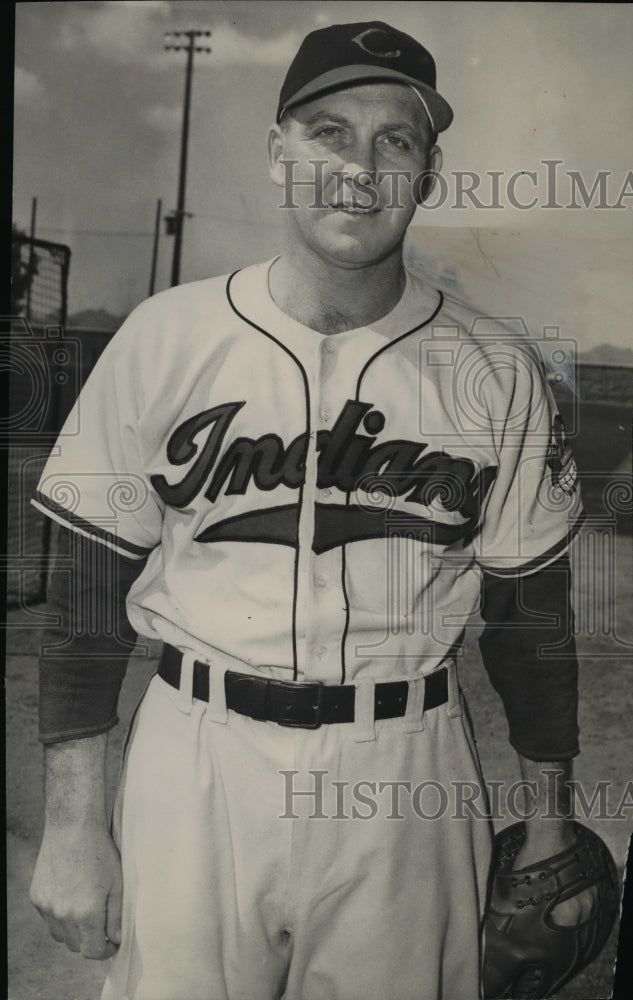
[{"x": 264, "y": 862}]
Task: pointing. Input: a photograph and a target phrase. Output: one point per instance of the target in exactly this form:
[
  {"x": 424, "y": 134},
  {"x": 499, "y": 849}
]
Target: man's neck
[{"x": 331, "y": 299}]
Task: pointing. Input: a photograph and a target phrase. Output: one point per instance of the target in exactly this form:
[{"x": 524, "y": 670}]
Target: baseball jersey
[{"x": 313, "y": 507}]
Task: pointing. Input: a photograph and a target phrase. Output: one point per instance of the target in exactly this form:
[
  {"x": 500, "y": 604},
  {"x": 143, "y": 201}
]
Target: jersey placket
[
  {"x": 333, "y": 367},
  {"x": 321, "y": 610}
]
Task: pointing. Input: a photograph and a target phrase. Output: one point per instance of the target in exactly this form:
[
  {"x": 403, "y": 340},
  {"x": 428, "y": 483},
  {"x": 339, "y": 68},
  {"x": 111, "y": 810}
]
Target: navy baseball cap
[{"x": 342, "y": 55}]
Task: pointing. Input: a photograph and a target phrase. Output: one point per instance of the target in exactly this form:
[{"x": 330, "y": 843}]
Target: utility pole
[
  {"x": 31, "y": 257},
  {"x": 179, "y": 217},
  {"x": 152, "y": 279}
]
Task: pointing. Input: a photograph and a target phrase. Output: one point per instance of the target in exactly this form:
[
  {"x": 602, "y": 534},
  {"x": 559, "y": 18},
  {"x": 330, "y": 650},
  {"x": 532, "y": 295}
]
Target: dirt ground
[{"x": 40, "y": 969}]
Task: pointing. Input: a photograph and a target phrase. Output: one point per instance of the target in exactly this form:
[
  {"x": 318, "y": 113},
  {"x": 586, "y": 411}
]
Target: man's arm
[
  {"x": 77, "y": 881},
  {"x": 529, "y": 652},
  {"x": 548, "y": 831}
]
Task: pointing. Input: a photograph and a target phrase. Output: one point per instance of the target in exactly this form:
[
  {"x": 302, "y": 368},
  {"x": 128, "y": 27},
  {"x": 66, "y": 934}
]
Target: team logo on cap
[{"x": 378, "y": 44}]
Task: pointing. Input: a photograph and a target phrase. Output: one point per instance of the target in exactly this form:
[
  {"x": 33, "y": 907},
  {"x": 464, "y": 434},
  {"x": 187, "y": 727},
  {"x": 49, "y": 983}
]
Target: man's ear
[
  {"x": 428, "y": 178},
  {"x": 276, "y": 143}
]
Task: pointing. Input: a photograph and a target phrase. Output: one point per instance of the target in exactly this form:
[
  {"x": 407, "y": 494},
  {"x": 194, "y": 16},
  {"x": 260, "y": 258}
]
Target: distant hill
[
  {"x": 607, "y": 354},
  {"x": 95, "y": 319}
]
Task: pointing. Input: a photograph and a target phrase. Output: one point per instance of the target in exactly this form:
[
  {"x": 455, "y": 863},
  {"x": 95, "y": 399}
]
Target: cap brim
[{"x": 440, "y": 110}]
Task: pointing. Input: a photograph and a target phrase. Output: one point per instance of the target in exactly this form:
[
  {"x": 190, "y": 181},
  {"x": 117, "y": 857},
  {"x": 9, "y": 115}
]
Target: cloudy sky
[{"x": 99, "y": 105}]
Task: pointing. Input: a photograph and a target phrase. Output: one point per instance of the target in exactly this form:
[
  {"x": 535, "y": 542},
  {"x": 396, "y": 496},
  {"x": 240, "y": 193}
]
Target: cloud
[
  {"x": 123, "y": 31},
  {"x": 231, "y": 47},
  {"x": 164, "y": 118},
  {"x": 29, "y": 92},
  {"x": 132, "y": 33}
]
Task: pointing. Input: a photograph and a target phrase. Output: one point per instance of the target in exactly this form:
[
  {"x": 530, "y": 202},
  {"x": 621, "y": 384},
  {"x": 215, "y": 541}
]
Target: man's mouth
[{"x": 355, "y": 208}]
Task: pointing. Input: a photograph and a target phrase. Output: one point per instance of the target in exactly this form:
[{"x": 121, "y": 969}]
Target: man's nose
[{"x": 360, "y": 164}]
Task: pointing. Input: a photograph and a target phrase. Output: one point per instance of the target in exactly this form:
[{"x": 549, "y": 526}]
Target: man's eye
[
  {"x": 396, "y": 141},
  {"x": 327, "y": 131}
]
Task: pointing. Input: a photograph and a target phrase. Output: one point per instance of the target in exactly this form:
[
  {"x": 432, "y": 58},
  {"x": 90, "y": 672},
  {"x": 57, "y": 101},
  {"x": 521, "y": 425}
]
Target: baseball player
[{"x": 301, "y": 478}]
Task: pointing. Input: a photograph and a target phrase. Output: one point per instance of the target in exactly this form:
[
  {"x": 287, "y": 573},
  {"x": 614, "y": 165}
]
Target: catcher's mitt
[{"x": 526, "y": 954}]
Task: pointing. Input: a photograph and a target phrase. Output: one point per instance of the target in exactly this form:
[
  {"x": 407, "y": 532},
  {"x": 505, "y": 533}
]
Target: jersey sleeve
[
  {"x": 534, "y": 507},
  {"x": 94, "y": 481},
  {"x": 528, "y": 649}
]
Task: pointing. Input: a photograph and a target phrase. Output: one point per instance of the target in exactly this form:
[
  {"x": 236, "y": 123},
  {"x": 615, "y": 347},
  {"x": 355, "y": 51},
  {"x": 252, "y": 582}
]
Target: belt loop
[
  {"x": 454, "y": 707},
  {"x": 414, "y": 716},
  {"x": 364, "y": 712},
  {"x": 184, "y": 698},
  {"x": 216, "y": 709}
]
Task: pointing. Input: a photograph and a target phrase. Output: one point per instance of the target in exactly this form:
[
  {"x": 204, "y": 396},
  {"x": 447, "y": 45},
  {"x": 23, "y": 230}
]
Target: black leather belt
[{"x": 291, "y": 703}]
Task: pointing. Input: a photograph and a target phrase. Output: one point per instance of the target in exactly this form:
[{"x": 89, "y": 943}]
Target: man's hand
[
  {"x": 526, "y": 954},
  {"x": 77, "y": 882},
  {"x": 77, "y": 889},
  {"x": 548, "y": 831}
]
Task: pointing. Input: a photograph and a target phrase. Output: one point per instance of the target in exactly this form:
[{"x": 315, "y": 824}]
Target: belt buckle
[{"x": 316, "y": 723}]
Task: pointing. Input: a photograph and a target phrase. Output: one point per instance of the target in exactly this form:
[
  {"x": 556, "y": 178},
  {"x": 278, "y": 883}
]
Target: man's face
[{"x": 376, "y": 140}]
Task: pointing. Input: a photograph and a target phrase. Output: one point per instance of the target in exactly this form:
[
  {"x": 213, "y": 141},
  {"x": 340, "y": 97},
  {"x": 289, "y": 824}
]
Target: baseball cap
[{"x": 342, "y": 55}]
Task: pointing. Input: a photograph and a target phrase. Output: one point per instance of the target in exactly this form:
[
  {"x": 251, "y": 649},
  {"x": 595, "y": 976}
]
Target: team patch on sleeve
[{"x": 564, "y": 471}]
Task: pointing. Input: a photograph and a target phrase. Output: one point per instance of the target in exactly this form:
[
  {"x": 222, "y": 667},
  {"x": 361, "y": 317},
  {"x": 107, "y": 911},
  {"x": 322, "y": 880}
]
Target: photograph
[{"x": 319, "y": 561}]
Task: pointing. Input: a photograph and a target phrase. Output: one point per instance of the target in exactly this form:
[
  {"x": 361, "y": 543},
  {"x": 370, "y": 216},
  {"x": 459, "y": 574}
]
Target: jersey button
[
  {"x": 330, "y": 346},
  {"x": 326, "y": 493},
  {"x": 320, "y": 652},
  {"x": 326, "y": 413},
  {"x": 321, "y": 581}
]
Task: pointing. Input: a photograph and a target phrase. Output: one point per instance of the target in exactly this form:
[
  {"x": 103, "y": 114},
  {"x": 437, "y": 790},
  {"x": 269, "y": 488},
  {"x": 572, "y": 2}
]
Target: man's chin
[
  {"x": 350, "y": 252},
  {"x": 340, "y": 240}
]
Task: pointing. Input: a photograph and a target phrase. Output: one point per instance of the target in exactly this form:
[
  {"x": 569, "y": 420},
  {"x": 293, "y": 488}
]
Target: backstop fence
[{"x": 42, "y": 364}]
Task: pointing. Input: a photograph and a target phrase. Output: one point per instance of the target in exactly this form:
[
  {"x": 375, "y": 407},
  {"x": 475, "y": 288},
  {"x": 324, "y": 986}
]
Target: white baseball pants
[{"x": 374, "y": 892}]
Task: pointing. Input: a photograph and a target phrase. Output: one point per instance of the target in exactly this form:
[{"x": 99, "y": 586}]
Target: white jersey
[{"x": 312, "y": 506}]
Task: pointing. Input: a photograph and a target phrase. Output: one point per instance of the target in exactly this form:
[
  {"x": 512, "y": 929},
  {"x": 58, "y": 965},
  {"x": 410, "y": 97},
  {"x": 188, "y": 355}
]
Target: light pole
[
  {"x": 31, "y": 257},
  {"x": 179, "y": 216},
  {"x": 152, "y": 277}
]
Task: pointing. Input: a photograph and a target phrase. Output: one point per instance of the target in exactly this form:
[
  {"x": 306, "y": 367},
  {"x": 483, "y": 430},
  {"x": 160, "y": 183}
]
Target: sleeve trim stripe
[
  {"x": 82, "y": 527},
  {"x": 539, "y": 562}
]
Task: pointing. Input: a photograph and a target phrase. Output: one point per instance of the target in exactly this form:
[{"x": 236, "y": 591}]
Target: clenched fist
[{"x": 77, "y": 889}]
